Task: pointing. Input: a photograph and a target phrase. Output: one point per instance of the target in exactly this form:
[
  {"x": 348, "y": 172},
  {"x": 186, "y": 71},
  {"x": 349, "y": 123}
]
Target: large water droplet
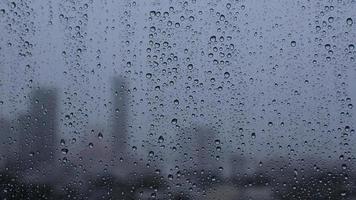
[
  {"x": 174, "y": 121},
  {"x": 349, "y": 21},
  {"x": 160, "y": 139},
  {"x": 293, "y": 43},
  {"x": 64, "y": 151}
]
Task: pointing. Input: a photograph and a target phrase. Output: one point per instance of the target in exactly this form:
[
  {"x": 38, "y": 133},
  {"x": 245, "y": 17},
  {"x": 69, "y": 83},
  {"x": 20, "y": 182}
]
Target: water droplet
[
  {"x": 349, "y": 21},
  {"x": 213, "y": 38},
  {"x": 160, "y": 139},
  {"x": 293, "y": 43},
  {"x": 174, "y": 121},
  {"x": 330, "y": 19},
  {"x": 153, "y": 195},
  {"x": 64, "y": 151},
  {"x": 176, "y": 101},
  {"x": 347, "y": 128},
  {"x": 344, "y": 166},
  {"x": 13, "y": 5},
  {"x": 253, "y": 135}
]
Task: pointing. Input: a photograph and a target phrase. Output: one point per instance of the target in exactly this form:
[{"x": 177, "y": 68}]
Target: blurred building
[
  {"x": 206, "y": 148},
  {"x": 236, "y": 166},
  {"x": 5, "y": 141},
  {"x": 200, "y": 148},
  {"x": 38, "y": 128},
  {"x": 119, "y": 118}
]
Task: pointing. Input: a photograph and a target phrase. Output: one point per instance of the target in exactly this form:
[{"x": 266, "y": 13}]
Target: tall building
[
  {"x": 120, "y": 112},
  {"x": 200, "y": 148},
  {"x": 38, "y": 129},
  {"x": 206, "y": 148},
  {"x": 5, "y": 141}
]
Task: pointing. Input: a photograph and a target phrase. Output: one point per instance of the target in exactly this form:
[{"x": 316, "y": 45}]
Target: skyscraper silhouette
[
  {"x": 38, "y": 129},
  {"x": 4, "y": 141},
  {"x": 120, "y": 111},
  {"x": 199, "y": 148},
  {"x": 205, "y": 149}
]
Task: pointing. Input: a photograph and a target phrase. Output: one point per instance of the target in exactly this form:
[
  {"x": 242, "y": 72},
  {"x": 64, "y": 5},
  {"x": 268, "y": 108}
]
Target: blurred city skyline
[{"x": 43, "y": 156}]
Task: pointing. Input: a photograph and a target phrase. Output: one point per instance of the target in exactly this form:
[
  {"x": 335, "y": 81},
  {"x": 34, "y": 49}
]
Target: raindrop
[
  {"x": 13, "y": 5},
  {"x": 293, "y": 43},
  {"x": 174, "y": 121},
  {"x": 344, "y": 166},
  {"x": 176, "y": 101},
  {"x": 153, "y": 195},
  {"x": 330, "y": 19},
  {"x": 160, "y": 139},
  {"x": 349, "y": 21},
  {"x": 64, "y": 151},
  {"x": 253, "y": 135},
  {"x": 213, "y": 39}
]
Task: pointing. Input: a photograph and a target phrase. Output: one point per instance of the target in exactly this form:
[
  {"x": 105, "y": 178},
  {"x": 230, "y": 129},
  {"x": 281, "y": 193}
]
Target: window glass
[{"x": 186, "y": 99}]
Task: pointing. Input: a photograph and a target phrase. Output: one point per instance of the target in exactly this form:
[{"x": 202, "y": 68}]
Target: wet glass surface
[{"x": 163, "y": 99}]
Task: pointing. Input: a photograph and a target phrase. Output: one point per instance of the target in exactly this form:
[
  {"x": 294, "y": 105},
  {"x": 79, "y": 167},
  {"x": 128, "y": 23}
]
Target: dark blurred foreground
[{"x": 316, "y": 186}]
